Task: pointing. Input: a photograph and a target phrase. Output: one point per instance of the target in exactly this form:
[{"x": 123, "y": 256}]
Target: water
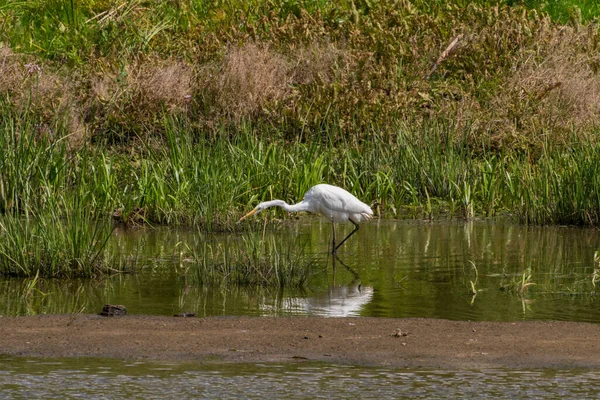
[
  {"x": 388, "y": 269},
  {"x": 113, "y": 379}
]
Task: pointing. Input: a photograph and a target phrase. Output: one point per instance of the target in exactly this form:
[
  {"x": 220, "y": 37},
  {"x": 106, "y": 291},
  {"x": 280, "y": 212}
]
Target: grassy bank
[
  {"x": 192, "y": 112},
  {"x": 209, "y": 181}
]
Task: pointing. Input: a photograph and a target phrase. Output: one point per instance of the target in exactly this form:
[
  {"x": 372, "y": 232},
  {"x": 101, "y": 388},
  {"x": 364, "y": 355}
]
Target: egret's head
[
  {"x": 256, "y": 210},
  {"x": 262, "y": 206}
]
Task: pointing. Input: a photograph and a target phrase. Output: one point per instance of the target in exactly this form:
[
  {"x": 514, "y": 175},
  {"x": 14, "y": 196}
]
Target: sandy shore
[{"x": 363, "y": 341}]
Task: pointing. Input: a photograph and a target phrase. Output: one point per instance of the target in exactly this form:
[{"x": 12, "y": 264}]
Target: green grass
[
  {"x": 55, "y": 245},
  {"x": 192, "y": 113},
  {"x": 210, "y": 182},
  {"x": 564, "y": 10}
]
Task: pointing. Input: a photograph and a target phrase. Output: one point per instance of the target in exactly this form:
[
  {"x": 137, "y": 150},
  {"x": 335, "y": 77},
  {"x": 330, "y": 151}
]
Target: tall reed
[{"x": 209, "y": 181}]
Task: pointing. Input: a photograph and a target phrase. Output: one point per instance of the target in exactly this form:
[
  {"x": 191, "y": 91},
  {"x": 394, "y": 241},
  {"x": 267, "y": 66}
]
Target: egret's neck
[{"x": 302, "y": 206}]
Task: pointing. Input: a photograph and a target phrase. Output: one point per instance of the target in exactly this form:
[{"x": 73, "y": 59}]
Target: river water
[
  {"x": 490, "y": 270},
  {"x": 388, "y": 269},
  {"x": 26, "y": 378}
]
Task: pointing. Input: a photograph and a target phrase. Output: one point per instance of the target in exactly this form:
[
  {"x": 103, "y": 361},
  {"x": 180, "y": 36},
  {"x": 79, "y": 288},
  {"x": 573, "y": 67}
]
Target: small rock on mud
[{"x": 112, "y": 310}]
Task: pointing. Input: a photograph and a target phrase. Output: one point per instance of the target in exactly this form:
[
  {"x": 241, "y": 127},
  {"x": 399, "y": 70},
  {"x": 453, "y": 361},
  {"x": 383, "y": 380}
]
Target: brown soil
[{"x": 364, "y": 341}]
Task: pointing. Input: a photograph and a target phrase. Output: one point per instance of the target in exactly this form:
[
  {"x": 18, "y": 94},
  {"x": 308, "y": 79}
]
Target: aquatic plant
[
  {"x": 473, "y": 284},
  {"x": 596, "y": 273},
  {"x": 251, "y": 261},
  {"x": 519, "y": 284}
]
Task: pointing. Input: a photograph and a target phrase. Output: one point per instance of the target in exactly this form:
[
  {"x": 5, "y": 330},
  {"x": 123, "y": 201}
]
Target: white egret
[{"x": 334, "y": 203}]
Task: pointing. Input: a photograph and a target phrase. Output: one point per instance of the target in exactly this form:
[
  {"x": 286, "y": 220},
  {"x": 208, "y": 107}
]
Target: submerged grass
[{"x": 272, "y": 262}]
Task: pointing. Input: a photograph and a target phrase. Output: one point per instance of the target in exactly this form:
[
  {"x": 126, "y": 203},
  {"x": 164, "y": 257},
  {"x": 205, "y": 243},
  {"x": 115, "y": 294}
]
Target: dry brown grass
[
  {"x": 24, "y": 79},
  {"x": 555, "y": 92},
  {"x": 121, "y": 101},
  {"x": 104, "y": 88},
  {"x": 152, "y": 83},
  {"x": 551, "y": 90},
  {"x": 254, "y": 78},
  {"x": 169, "y": 83},
  {"x": 11, "y": 70},
  {"x": 241, "y": 84},
  {"x": 30, "y": 85},
  {"x": 247, "y": 78},
  {"x": 567, "y": 80}
]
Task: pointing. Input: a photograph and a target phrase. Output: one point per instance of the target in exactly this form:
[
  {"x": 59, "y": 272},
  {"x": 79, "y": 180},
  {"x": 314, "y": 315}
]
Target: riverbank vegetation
[{"x": 189, "y": 112}]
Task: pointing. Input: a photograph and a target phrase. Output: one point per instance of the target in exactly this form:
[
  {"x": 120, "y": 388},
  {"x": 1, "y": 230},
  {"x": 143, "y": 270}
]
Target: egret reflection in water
[{"x": 337, "y": 301}]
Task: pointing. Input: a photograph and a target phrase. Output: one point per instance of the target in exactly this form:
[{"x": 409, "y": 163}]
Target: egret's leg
[
  {"x": 333, "y": 248},
  {"x": 346, "y": 238}
]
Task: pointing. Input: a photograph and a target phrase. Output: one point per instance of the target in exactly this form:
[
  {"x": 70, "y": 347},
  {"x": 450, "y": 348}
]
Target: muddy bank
[{"x": 364, "y": 341}]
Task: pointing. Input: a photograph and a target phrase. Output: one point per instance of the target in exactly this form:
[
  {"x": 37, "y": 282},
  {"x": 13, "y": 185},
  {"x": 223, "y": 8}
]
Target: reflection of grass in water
[
  {"x": 273, "y": 262},
  {"x": 560, "y": 282},
  {"x": 32, "y": 296},
  {"x": 596, "y": 273},
  {"x": 583, "y": 284}
]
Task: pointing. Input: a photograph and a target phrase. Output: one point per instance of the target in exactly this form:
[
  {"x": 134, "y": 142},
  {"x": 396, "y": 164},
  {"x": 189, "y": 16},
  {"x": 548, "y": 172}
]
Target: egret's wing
[{"x": 336, "y": 199}]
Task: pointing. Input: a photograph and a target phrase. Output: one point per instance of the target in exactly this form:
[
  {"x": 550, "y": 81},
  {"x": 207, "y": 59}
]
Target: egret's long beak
[{"x": 247, "y": 215}]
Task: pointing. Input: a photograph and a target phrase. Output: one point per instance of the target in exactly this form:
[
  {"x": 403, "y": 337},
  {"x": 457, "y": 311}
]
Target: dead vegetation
[
  {"x": 551, "y": 91},
  {"x": 557, "y": 92},
  {"x": 28, "y": 84},
  {"x": 254, "y": 80},
  {"x": 246, "y": 80},
  {"x": 167, "y": 83}
]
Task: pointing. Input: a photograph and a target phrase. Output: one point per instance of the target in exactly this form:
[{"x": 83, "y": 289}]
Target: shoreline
[{"x": 383, "y": 342}]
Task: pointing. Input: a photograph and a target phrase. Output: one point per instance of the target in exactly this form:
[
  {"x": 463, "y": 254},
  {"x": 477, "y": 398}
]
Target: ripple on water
[{"x": 93, "y": 378}]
